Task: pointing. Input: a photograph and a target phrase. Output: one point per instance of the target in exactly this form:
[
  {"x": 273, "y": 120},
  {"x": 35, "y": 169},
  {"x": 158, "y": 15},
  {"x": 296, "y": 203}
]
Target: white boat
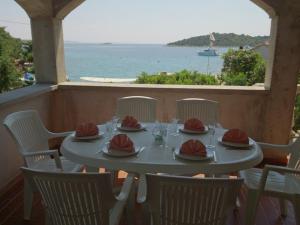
[
  {"x": 210, "y": 51},
  {"x": 109, "y": 80}
]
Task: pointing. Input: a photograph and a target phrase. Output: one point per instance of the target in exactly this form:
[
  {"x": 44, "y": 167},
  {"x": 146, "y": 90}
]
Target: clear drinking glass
[
  {"x": 159, "y": 133},
  {"x": 211, "y": 131},
  {"x": 173, "y": 138},
  {"x": 114, "y": 122},
  {"x": 174, "y": 126}
]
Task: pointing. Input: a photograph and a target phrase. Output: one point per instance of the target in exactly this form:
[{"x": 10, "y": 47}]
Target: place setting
[
  {"x": 194, "y": 150},
  {"x": 236, "y": 139},
  {"x": 120, "y": 145},
  {"x": 189, "y": 148},
  {"x": 194, "y": 126},
  {"x": 130, "y": 124},
  {"x": 87, "y": 132}
]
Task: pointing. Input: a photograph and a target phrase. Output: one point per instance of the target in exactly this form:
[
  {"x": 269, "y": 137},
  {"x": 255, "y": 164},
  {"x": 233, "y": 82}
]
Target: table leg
[
  {"x": 92, "y": 169},
  {"x": 130, "y": 208}
]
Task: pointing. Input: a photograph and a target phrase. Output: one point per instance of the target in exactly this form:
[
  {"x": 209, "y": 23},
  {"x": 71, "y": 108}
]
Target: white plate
[
  {"x": 118, "y": 153},
  {"x": 237, "y": 145},
  {"x": 193, "y": 131},
  {"x": 129, "y": 129},
  {"x": 87, "y": 137},
  {"x": 209, "y": 156}
]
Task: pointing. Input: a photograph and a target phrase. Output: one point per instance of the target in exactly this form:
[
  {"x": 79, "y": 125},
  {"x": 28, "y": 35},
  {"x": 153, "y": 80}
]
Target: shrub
[
  {"x": 297, "y": 114},
  {"x": 239, "y": 79},
  {"x": 9, "y": 75},
  {"x": 183, "y": 77}
]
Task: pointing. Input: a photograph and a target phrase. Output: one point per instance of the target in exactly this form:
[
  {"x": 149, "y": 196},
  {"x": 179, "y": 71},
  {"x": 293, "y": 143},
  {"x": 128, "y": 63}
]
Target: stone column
[
  {"x": 284, "y": 67},
  {"x": 47, "y": 35}
]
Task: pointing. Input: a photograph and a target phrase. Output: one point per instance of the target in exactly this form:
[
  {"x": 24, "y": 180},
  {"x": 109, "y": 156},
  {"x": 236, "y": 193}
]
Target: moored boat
[{"x": 210, "y": 51}]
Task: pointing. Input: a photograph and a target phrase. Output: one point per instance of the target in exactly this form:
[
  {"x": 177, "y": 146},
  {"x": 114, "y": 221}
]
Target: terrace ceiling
[{"x": 49, "y": 8}]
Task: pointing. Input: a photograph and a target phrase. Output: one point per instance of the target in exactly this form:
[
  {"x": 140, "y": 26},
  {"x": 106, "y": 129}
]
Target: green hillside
[{"x": 222, "y": 40}]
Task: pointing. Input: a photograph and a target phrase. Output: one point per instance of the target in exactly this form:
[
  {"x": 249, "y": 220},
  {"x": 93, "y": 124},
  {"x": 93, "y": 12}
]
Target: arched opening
[{"x": 118, "y": 24}]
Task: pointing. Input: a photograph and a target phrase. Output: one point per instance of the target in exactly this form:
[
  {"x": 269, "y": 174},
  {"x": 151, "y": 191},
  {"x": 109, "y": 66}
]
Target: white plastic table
[{"x": 156, "y": 159}]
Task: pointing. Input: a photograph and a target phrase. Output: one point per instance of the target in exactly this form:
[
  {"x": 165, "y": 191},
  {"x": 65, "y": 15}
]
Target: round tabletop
[{"x": 159, "y": 159}]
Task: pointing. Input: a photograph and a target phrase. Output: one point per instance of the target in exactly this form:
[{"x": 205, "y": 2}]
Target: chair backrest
[
  {"x": 74, "y": 198},
  {"x": 141, "y": 107},
  {"x": 184, "y": 200},
  {"x": 28, "y": 130},
  {"x": 205, "y": 110}
]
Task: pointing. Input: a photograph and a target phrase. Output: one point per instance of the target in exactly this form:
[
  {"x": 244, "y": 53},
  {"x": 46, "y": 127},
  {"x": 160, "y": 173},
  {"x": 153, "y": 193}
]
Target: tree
[
  {"x": 26, "y": 53},
  {"x": 10, "y": 51},
  {"x": 242, "y": 67}
]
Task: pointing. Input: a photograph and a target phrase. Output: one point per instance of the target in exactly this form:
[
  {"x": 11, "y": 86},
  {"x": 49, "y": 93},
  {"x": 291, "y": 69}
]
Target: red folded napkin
[
  {"x": 130, "y": 122},
  {"x": 193, "y": 148},
  {"x": 121, "y": 142},
  {"x": 86, "y": 129},
  {"x": 236, "y": 136},
  {"x": 194, "y": 125}
]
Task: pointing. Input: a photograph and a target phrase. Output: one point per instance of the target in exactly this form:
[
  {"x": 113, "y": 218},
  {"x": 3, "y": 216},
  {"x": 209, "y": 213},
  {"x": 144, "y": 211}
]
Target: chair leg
[
  {"x": 283, "y": 207},
  {"x": 28, "y": 199},
  {"x": 48, "y": 220},
  {"x": 296, "y": 204},
  {"x": 251, "y": 207},
  {"x": 130, "y": 206},
  {"x": 146, "y": 214}
]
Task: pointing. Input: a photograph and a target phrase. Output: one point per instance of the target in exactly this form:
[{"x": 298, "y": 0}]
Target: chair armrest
[
  {"x": 283, "y": 148},
  {"x": 53, "y": 153},
  {"x": 279, "y": 169},
  {"x": 61, "y": 134},
  {"x": 142, "y": 190},
  {"x": 123, "y": 195}
]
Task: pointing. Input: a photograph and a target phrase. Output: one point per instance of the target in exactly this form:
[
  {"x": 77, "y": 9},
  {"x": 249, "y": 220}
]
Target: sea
[{"x": 127, "y": 61}]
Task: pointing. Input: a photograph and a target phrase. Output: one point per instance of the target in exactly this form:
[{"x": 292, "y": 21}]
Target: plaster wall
[{"x": 240, "y": 107}]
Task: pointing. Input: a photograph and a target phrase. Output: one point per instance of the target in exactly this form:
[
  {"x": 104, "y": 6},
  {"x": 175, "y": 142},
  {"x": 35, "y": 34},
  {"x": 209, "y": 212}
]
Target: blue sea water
[{"x": 129, "y": 60}]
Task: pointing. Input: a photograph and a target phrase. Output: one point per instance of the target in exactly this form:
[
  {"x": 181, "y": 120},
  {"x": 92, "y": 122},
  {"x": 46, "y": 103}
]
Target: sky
[{"x": 146, "y": 21}]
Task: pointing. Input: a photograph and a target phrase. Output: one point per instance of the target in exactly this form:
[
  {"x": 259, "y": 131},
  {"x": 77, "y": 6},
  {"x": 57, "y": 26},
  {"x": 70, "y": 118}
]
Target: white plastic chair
[
  {"x": 79, "y": 198},
  {"x": 276, "y": 181},
  {"x": 205, "y": 110},
  {"x": 141, "y": 107},
  {"x": 32, "y": 137},
  {"x": 188, "y": 201}
]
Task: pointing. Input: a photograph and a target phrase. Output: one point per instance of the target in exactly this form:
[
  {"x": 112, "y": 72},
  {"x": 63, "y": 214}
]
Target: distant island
[{"x": 226, "y": 40}]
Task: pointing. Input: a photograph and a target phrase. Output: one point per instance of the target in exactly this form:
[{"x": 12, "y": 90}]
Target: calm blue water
[{"x": 129, "y": 60}]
